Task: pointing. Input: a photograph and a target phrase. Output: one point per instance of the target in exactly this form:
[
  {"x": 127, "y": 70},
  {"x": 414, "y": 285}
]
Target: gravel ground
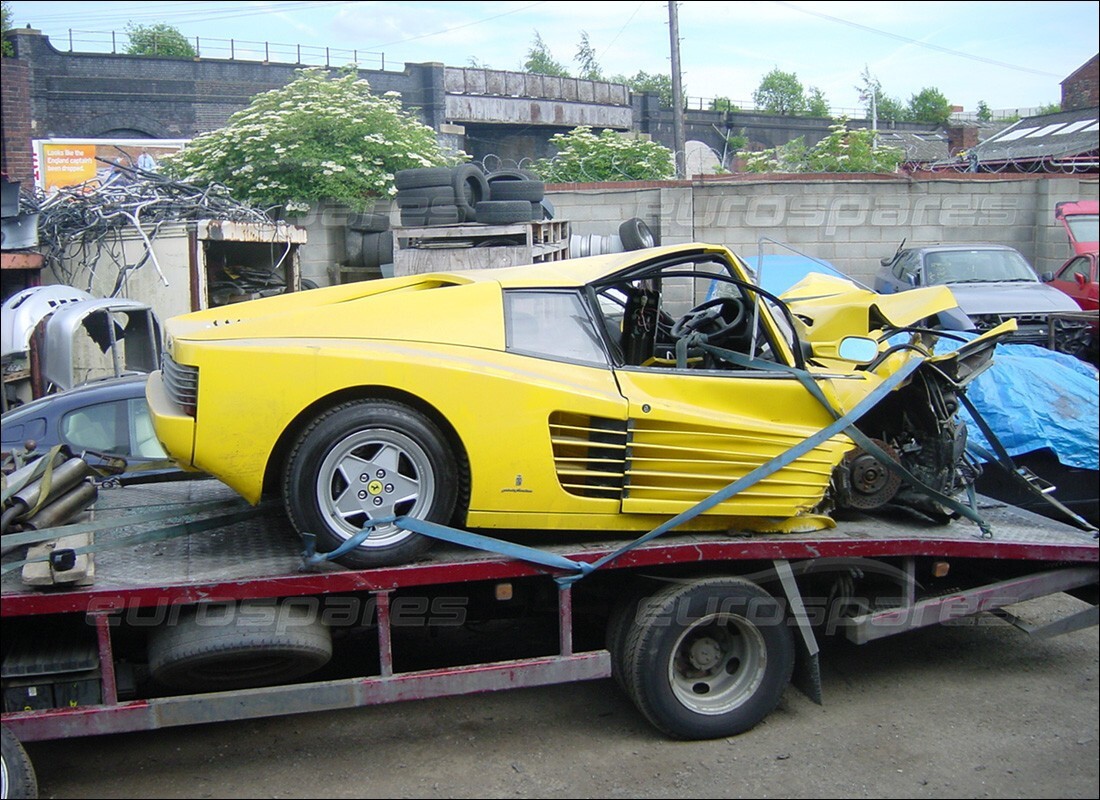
[{"x": 967, "y": 710}]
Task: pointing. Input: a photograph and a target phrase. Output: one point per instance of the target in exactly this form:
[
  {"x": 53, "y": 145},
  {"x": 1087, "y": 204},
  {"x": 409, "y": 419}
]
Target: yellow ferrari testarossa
[{"x": 604, "y": 393}]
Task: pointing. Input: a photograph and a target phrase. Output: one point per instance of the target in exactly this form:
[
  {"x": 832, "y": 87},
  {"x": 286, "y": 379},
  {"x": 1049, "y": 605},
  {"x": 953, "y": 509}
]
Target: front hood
[
  {"x": 1010, "y": 298},
  {"x": 831, "y": 308}
]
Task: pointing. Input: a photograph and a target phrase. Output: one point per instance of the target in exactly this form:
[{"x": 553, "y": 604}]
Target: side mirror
[
  {"x": 1081, "y": 279},
  {"x": 887, "y": 261},
  {"x": 858, "y": 349},
  {"x": 1046, "y": 277},
  {"x": 913, "y": 278}
]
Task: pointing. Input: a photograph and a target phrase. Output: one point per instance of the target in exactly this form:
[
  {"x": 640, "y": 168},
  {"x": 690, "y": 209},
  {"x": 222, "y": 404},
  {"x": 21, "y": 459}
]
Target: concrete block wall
[{"x": 852, "y": 223}]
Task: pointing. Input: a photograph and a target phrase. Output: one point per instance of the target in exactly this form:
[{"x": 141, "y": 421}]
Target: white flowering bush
[
  {"x": 843, "y": 150},
  {"x": 585, "y": 157},
  {"x": 318, "y": 137}
]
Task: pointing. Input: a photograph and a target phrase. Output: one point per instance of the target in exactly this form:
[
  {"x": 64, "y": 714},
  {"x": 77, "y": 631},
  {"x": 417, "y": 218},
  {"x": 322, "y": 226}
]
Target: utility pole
[{"x": 677, "y": 93}]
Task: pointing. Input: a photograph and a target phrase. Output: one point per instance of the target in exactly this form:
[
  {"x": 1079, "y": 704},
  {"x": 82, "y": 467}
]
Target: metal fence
[{"x": 234, "y": 50}]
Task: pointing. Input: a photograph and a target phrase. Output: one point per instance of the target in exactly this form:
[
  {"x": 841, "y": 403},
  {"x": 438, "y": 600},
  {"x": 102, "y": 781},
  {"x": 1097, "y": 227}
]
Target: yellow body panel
[{"x": 267, "y": 368}]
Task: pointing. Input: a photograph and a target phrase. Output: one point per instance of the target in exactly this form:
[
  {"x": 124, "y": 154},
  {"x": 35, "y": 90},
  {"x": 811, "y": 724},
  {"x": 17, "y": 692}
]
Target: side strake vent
[{"x": 589, "y": 454}]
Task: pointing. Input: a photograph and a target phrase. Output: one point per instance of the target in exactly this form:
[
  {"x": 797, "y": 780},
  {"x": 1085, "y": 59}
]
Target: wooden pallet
[{"x": 447, "y": 248}]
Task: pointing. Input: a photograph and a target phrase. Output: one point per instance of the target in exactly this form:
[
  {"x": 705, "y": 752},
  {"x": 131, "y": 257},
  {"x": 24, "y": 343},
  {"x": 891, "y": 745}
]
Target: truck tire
[
  {"x": 425, "y": 198},
  {"x": 531, "y": 191},
  {"x": 422, "y": 177},
  {"x": 503, "y": 212},
  {"x": 708, "y": 659},
  {"x": 636, "y": 235},
  {"x": 618, "y": 629},
  {"x": 403, "y": 466},
  {"x": 470, "y": 188},
  {"x": 253, "y": 644},
  {"x": 436, "y": 215},
  {"x": 369, "y": 223},
  {"x": 18, "y": 778}
]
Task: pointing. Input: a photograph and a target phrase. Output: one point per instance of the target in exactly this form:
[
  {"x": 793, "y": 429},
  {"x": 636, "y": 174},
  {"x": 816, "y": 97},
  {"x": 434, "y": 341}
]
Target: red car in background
[
  {"x": 1078, "y": 278},
  {"x": 1081, "y": 220}
]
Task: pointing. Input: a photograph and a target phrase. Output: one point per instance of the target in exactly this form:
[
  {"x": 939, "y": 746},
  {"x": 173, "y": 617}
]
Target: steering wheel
[{"x": 716, "y": 319}]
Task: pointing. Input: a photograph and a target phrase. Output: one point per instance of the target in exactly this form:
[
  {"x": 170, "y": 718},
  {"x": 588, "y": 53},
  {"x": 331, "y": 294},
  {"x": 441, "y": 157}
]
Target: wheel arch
[{"x": 285, "y": 443}]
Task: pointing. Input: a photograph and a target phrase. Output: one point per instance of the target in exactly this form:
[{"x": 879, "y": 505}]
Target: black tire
[
  {"x": 636, "y": 235},
  {"x": 709, "y": 659},
  {"x": 436, "y": 215},
  {"x": 531, "y": 191},
  {"x": 470, "y": 188},
  {"x": 353, "y": 247},
  {"x": 422, "y": 177},
  {"x": 512, "y": 175},
  {"x": 239, "y": 646},
  {"x": 619, "y": 624},
  {"x": 19, "y": 780},
  {"x": 377, "y": 249},
  {"x": 503, "y": 212},
  {"x": 425, "y": 482},
  {"x": 425, "y": 198},
  {"x": 369, "y": 223}
]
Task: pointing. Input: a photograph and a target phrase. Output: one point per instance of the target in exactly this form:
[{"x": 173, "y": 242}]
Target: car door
[
  {"x": 1077, "y": 278},
  {"x": 693, "y": 428}
]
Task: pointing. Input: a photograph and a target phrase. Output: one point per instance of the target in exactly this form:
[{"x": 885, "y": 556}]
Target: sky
[{"x": 1009, "y": 55}]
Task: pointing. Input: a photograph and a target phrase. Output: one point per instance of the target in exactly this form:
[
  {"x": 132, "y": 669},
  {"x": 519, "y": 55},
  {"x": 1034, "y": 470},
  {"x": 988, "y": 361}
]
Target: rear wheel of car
[{"x": 370, "y": 460}]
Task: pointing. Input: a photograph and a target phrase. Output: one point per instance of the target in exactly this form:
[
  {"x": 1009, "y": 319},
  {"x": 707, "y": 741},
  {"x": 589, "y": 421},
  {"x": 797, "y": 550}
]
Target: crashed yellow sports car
[{"x": 605, "y": 393}]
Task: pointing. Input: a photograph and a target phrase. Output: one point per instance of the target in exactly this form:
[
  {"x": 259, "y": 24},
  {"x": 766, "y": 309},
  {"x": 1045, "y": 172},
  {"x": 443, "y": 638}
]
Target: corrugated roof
[{"x": 1065, "y": 134}]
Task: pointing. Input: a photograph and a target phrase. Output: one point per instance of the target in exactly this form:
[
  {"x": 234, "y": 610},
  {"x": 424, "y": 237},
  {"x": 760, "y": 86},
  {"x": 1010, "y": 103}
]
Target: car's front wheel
[{"x": 365, "y": 461}]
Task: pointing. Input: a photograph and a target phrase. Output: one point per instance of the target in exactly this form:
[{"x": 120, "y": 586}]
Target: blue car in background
[{"x": 101, "y": 421}]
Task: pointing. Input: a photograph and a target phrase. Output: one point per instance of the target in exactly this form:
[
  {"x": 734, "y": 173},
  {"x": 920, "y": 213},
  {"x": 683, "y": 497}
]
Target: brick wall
[
  {"x": 1082, "y": 88},
  {"x": 15, "y": 107}
]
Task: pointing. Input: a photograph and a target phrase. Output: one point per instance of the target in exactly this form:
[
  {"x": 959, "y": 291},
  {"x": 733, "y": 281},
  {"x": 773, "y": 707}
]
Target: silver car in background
[{"x": 992, "y": 283}]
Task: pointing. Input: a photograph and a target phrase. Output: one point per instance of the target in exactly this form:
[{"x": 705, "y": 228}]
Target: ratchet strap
[{"x": 580, "y": 569}]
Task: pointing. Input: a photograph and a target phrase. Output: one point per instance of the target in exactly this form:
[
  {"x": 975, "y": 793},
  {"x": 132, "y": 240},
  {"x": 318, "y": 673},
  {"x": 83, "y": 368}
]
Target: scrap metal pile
[{"x": 81, "y": 228}]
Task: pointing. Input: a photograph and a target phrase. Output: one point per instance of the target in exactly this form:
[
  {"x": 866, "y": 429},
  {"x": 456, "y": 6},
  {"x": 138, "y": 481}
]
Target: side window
[
  {"x": 1079, "y": 266},
  {"x": 552, "y": 325},
  {"x": 103, "y": 428}
]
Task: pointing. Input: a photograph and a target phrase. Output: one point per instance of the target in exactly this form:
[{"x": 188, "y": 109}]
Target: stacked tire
[
  {"x": 368, "y": 241},
  {"x": 514, "y": 196},
  {"x": 440, "y": 195}
]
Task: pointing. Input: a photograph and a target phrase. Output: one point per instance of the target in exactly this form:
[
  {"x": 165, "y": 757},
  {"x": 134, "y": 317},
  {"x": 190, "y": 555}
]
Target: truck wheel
[
  {"x": 249, "y": 645},
  {"x": 17, "y": 779},
  {"x": 709, "y": 659},
  {"x": 618, "y": 629},
  {"x": 367, "y": 460}
]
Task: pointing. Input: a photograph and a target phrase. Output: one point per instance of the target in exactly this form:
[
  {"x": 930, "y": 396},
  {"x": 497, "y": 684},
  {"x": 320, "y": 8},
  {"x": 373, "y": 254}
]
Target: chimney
[{"x": 961, "y": 137}]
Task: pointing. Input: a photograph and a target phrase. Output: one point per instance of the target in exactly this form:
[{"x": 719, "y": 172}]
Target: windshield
[
  {"x": 976, "y": 266},
  {"x": 1084, "y": 227}
]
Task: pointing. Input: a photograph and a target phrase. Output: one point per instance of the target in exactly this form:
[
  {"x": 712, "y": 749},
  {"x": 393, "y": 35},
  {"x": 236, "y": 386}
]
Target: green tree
[
  {"x": 891, "y": 109},
  {"x": 584, "y": 157},
  {"x": 816, "y": 104},
  {"x": 317, "y": 137},
  {"x": 780, "y": 93},
  {"x": 5, "y": 17},
  {"x": 159, "y": 39},
  {"x": 843, "y": 150},
  {"x": 1049, "y": 108},
  {"x": 722, "y": 104},
  {"x": 929, "y": 105},
  {"x": 984, "y": 114},
  {"x": 660, "y": 85},
  {"x": 541, "y": 62},
  {"x": 586, "y": 58}
]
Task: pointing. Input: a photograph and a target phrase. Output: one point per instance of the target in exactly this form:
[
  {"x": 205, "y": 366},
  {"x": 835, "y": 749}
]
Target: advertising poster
[{"x": 91, "y": 163}]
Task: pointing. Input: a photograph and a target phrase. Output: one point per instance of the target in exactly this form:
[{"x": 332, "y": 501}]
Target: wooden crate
[{"x": 448, "y": 248}]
